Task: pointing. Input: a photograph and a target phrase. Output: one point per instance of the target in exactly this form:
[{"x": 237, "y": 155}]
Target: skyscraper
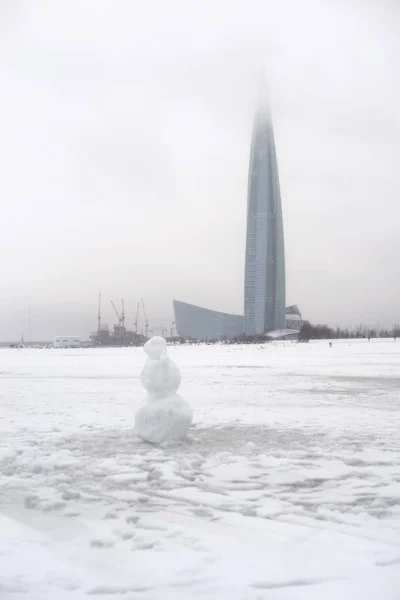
[
  {"x": 264, "y": 287},
  {"x": 264, "y": 281}
]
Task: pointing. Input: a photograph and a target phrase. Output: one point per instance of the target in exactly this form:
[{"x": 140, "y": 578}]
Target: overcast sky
[{"x": 124, "y": 145}]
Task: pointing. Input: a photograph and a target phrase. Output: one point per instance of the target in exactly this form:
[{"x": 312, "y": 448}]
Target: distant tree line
[
  {"x": 308, "y": 332},
  {"x": 324, "y": 332}
]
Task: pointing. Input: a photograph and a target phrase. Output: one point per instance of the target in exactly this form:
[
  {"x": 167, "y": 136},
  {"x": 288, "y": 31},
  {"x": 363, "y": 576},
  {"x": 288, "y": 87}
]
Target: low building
[
  {"x": 293, "y": 320},
  {"x": 282, "y": 334},
  {"x": 67, "y": 341}
]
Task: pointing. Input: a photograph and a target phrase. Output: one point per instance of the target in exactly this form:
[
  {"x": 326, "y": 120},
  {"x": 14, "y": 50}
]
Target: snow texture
[
  {"x": 286, "y": 488},
  {"x": 166, "y": 416}
]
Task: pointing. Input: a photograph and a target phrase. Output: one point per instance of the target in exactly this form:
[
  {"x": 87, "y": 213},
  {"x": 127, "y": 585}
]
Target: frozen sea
[{"x": 288, "y": 486}]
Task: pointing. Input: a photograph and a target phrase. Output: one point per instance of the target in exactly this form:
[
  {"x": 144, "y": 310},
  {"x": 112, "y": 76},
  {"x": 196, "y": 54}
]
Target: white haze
[{"x": 125, "y": 132}]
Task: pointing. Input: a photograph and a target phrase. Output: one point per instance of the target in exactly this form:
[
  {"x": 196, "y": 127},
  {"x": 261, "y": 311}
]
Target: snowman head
[{"x": 156, "y": 348}]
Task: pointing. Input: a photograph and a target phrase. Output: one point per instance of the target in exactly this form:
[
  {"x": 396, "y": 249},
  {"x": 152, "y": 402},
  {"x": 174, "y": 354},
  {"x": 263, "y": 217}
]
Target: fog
[{"x": 125, "y": 138}]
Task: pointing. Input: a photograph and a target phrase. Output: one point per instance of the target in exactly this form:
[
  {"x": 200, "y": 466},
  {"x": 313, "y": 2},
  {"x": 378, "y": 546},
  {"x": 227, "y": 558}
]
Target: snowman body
[{"x": 165, "y": 416}]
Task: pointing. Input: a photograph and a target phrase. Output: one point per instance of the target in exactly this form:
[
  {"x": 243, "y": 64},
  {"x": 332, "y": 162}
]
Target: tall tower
[{"x": 264, "y": 287}]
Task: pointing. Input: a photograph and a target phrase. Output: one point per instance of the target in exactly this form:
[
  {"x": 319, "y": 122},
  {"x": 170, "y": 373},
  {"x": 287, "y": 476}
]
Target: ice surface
[
  {"x": 287, "y": 489},
  {"x": 165, "y": 416}
]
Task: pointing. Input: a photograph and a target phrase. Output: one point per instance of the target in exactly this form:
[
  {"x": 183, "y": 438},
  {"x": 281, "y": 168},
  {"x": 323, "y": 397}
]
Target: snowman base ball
[{"x": 166, "y": 419}]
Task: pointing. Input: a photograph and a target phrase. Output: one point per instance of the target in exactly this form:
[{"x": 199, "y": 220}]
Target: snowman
[{"x": 165, "y": 416}]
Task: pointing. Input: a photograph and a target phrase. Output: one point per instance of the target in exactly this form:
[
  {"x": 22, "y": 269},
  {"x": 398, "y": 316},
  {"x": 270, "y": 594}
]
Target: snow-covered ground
[{"x": 287, "y": 488}]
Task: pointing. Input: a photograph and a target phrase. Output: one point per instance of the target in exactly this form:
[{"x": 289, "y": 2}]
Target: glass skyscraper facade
[{"x": 264, "y": 288}]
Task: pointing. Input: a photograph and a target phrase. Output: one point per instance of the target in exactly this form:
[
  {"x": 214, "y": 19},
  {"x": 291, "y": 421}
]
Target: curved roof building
[{"x": 196, "y": 323}]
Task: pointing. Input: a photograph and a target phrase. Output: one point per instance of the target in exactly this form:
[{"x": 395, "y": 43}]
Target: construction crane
[
  {"x": 146, "y": 323},
  {"x": 120, "y": 316},
  {"x": 137, "y": 317},
  {"x": 99, "y": 321},
  {"x": 122, "y": 313},
  {"x": 116, "y": 312}
]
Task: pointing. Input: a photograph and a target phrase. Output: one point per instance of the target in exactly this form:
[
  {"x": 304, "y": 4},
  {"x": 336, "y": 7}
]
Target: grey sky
[{"x": 125, "y": 135}]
